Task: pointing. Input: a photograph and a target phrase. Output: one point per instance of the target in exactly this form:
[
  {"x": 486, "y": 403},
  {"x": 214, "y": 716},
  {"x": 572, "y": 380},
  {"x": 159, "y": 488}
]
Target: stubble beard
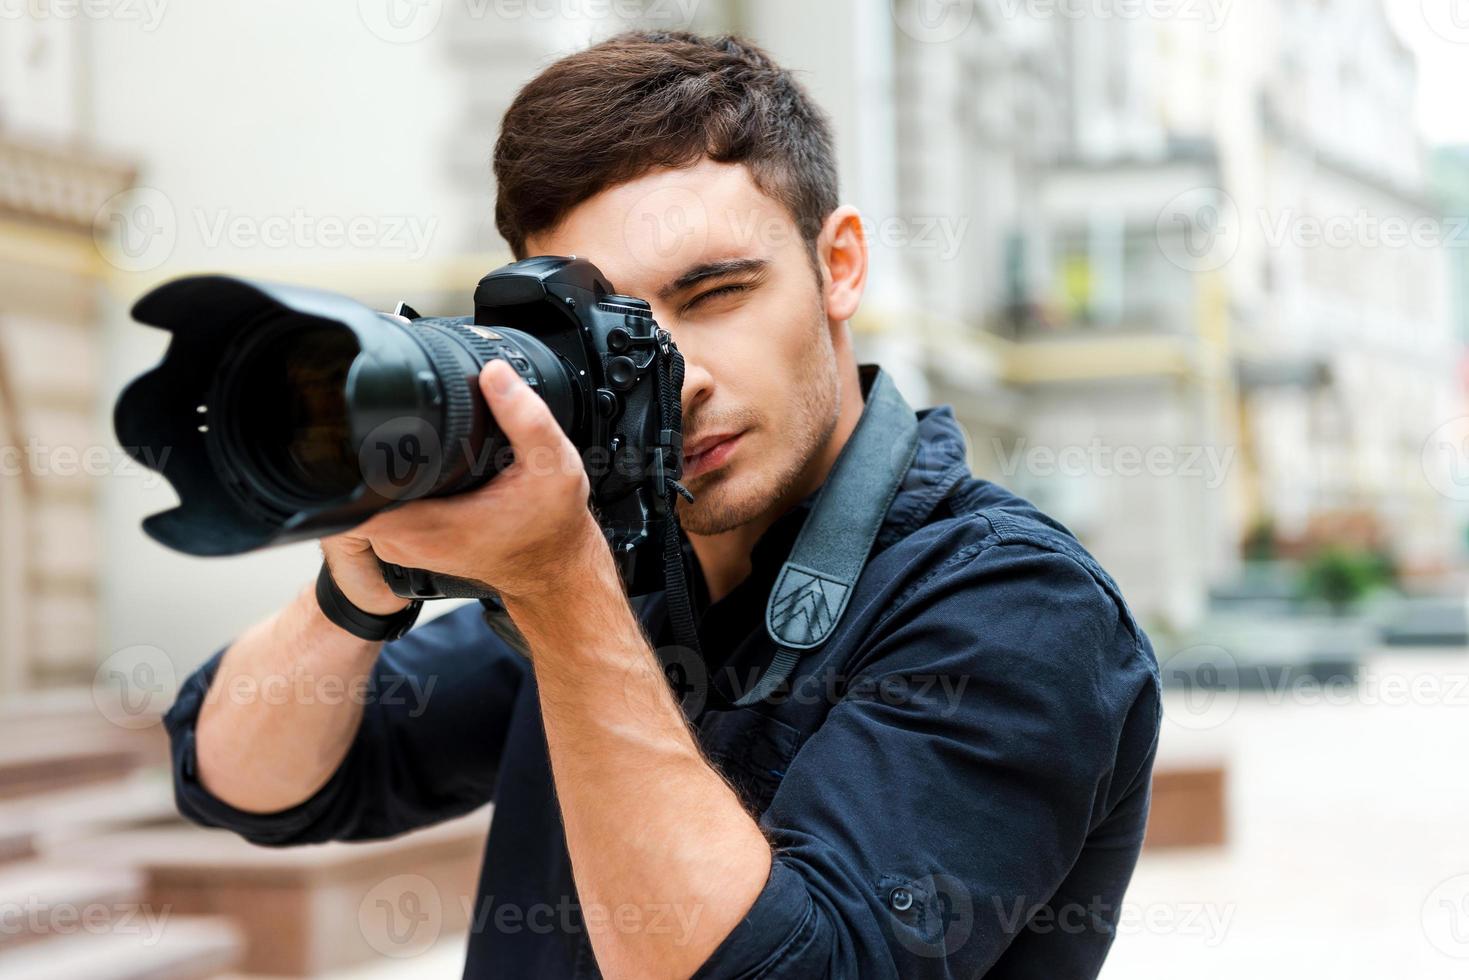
[{"x": 726, "y": 500}]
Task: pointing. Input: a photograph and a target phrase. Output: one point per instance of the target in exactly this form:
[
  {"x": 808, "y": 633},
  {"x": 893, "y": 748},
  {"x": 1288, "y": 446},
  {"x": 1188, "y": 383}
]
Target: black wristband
[{"x": 336, "y": 607}]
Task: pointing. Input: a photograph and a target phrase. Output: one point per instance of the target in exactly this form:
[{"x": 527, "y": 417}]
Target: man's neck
[{"x": 724, "y": 558}]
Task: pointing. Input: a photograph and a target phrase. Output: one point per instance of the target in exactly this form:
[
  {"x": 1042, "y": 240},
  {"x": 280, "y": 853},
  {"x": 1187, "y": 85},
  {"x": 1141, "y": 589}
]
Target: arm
[
  {"x": 277, "y": 724},
  {"x": 267, "y": 738},
  {"x": 431, "y": 723},
  {"x": 650, "y": 825}
]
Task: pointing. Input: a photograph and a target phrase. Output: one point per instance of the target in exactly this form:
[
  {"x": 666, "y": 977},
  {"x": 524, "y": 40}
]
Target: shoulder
[
  {"x": 981, "y": 527},
  {"x": 994, "y": 592},
  {"x": 1008, "y": 586}
]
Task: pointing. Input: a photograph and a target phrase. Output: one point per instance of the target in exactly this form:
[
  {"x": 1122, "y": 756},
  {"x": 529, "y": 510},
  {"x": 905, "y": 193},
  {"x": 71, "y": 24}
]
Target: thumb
[{"x": 526, "y": 419}]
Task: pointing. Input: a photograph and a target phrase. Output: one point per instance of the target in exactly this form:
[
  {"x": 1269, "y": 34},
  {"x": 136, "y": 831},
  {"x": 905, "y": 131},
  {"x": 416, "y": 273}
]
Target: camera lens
[
  {"x": 291, "y": 398},
  {"x": 305, "y": 417},
  {"x": 278, "y": 414},
  {"x": 281, "y": 413}
]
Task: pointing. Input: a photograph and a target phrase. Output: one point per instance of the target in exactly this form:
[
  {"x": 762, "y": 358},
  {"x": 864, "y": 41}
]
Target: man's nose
[{"x": 697, "y": 384}]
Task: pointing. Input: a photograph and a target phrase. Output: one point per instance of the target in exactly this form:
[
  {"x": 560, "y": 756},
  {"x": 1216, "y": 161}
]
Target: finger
[
  {"x": 406, "y": 520},
  {"x": 525, "y": 418}
]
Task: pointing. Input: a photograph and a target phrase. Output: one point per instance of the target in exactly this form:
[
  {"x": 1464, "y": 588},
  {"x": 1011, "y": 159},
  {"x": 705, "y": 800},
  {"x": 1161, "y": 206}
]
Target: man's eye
[{"x": 730, "y": 290}]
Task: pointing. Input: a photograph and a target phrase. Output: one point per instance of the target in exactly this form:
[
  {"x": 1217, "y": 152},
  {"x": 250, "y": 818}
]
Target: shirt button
[{"x": 901, "y": 899}]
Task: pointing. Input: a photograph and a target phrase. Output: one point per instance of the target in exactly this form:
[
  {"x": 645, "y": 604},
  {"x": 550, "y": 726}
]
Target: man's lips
[
  {"x": 704, "y": 443},
  {"x": 708, "y": 451}
]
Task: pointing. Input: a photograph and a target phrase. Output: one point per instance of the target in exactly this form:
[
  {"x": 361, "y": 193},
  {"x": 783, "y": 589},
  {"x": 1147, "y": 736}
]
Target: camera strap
[
  {"x": 670, "y": 411},
  {"x": 832, "y": 548}
]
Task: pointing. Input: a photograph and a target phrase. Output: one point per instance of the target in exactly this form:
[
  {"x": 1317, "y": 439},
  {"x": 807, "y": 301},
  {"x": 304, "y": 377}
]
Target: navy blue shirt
[{"x": 955, "y": 785}]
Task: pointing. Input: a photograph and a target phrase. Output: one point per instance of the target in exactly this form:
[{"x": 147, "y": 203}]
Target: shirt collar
[{"x": 938, "y": 465}]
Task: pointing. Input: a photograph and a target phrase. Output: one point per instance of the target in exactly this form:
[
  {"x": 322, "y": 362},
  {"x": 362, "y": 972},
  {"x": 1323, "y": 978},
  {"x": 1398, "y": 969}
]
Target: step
[
  {"x": 16, "y": 844},
  {"x": 58, "y": 710},
  {"x": 48, "y": 821},
  {"x": 40, "y": 717},
  {"x": 39, "y": 764},
  {"x": 305, "y": 910},
  {"x": 174, "y": 948},
  {"x": 38, "y": 899},
  {"x": 1189, "y": 805}
]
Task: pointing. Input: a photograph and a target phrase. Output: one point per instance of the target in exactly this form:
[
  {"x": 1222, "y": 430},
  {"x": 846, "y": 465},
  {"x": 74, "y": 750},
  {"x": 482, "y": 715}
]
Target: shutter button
[{"x": 901, "y": 899}]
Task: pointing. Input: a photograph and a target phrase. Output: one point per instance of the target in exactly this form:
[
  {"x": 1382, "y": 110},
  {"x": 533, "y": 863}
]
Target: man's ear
[{"x": 842, "y": 250}]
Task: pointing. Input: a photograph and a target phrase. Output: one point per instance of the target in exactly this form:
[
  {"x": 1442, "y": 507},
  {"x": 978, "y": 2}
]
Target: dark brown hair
[{"x": 647, "y": 99}]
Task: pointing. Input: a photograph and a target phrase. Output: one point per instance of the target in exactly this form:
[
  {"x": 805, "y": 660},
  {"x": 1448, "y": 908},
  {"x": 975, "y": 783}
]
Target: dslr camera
[{"x": 280, "y": 413}]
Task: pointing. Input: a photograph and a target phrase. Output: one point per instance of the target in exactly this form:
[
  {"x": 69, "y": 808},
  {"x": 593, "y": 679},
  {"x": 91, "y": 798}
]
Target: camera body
[{"x": 280, "y": 413}]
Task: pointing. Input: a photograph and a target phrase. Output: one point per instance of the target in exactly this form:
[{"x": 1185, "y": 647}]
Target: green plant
[
  {"x": 1341, "y": 576},
  {"x": 1259, "y": 541}
]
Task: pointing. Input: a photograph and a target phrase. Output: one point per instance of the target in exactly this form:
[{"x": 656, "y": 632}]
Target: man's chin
[{"x": 720, "y": 504}]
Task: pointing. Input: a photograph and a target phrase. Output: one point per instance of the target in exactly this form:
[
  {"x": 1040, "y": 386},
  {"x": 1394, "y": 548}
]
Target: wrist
[
  {"x": 364, "y": 586},
  {"x": 577, "y": 606},
  {"x": 305, "y": 623},
  {"x": 582, "y": 562},
  {"x": 339, "y": 609}
]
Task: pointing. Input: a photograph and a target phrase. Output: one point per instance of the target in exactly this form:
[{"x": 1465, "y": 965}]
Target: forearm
[
  {"x": 663, "y": 853},
  {"x": 283, "y": 709}
]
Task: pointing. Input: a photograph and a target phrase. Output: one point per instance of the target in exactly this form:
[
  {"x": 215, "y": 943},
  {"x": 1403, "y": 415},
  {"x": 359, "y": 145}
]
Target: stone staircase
[
  {"x": 195, "y": 948},
  {"x": 100, "y": 878},
  {"x": 59, "y": 922},
  {"x": 66, "y": 778}
]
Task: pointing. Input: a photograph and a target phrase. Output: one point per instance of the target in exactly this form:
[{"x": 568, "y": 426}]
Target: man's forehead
[{"x": 649, "y": 233}]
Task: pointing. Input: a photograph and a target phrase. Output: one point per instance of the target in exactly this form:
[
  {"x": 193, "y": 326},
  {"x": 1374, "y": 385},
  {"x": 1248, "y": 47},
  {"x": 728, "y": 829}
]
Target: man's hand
[{"x": 520, "y": 533}]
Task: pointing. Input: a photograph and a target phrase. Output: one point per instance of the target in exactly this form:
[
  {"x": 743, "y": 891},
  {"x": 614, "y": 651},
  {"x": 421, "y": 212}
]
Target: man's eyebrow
[{"x": 711, "y": 270}]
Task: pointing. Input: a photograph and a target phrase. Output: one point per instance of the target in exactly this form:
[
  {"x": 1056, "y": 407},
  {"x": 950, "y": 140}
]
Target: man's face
[{"x": 729, "y": 276}]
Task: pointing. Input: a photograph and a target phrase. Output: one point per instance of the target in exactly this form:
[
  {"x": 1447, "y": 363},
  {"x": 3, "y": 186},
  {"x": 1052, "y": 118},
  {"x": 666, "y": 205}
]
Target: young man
[{"x": 954, "y": 783}]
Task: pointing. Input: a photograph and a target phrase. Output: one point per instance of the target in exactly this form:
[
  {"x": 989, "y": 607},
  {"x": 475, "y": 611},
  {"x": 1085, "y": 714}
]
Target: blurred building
[
  {"x": 55, "y": 454},
  {"x": 1182, "y": 280},
  {"x": 1451, "y": 181},
  {"x": 1206, "y": 267}
]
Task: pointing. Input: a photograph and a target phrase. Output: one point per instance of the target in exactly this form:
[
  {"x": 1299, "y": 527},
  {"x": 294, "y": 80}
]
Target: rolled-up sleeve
[
  {"x": 1000, "y": 716},
  {"x": 434, "y": 722}
]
